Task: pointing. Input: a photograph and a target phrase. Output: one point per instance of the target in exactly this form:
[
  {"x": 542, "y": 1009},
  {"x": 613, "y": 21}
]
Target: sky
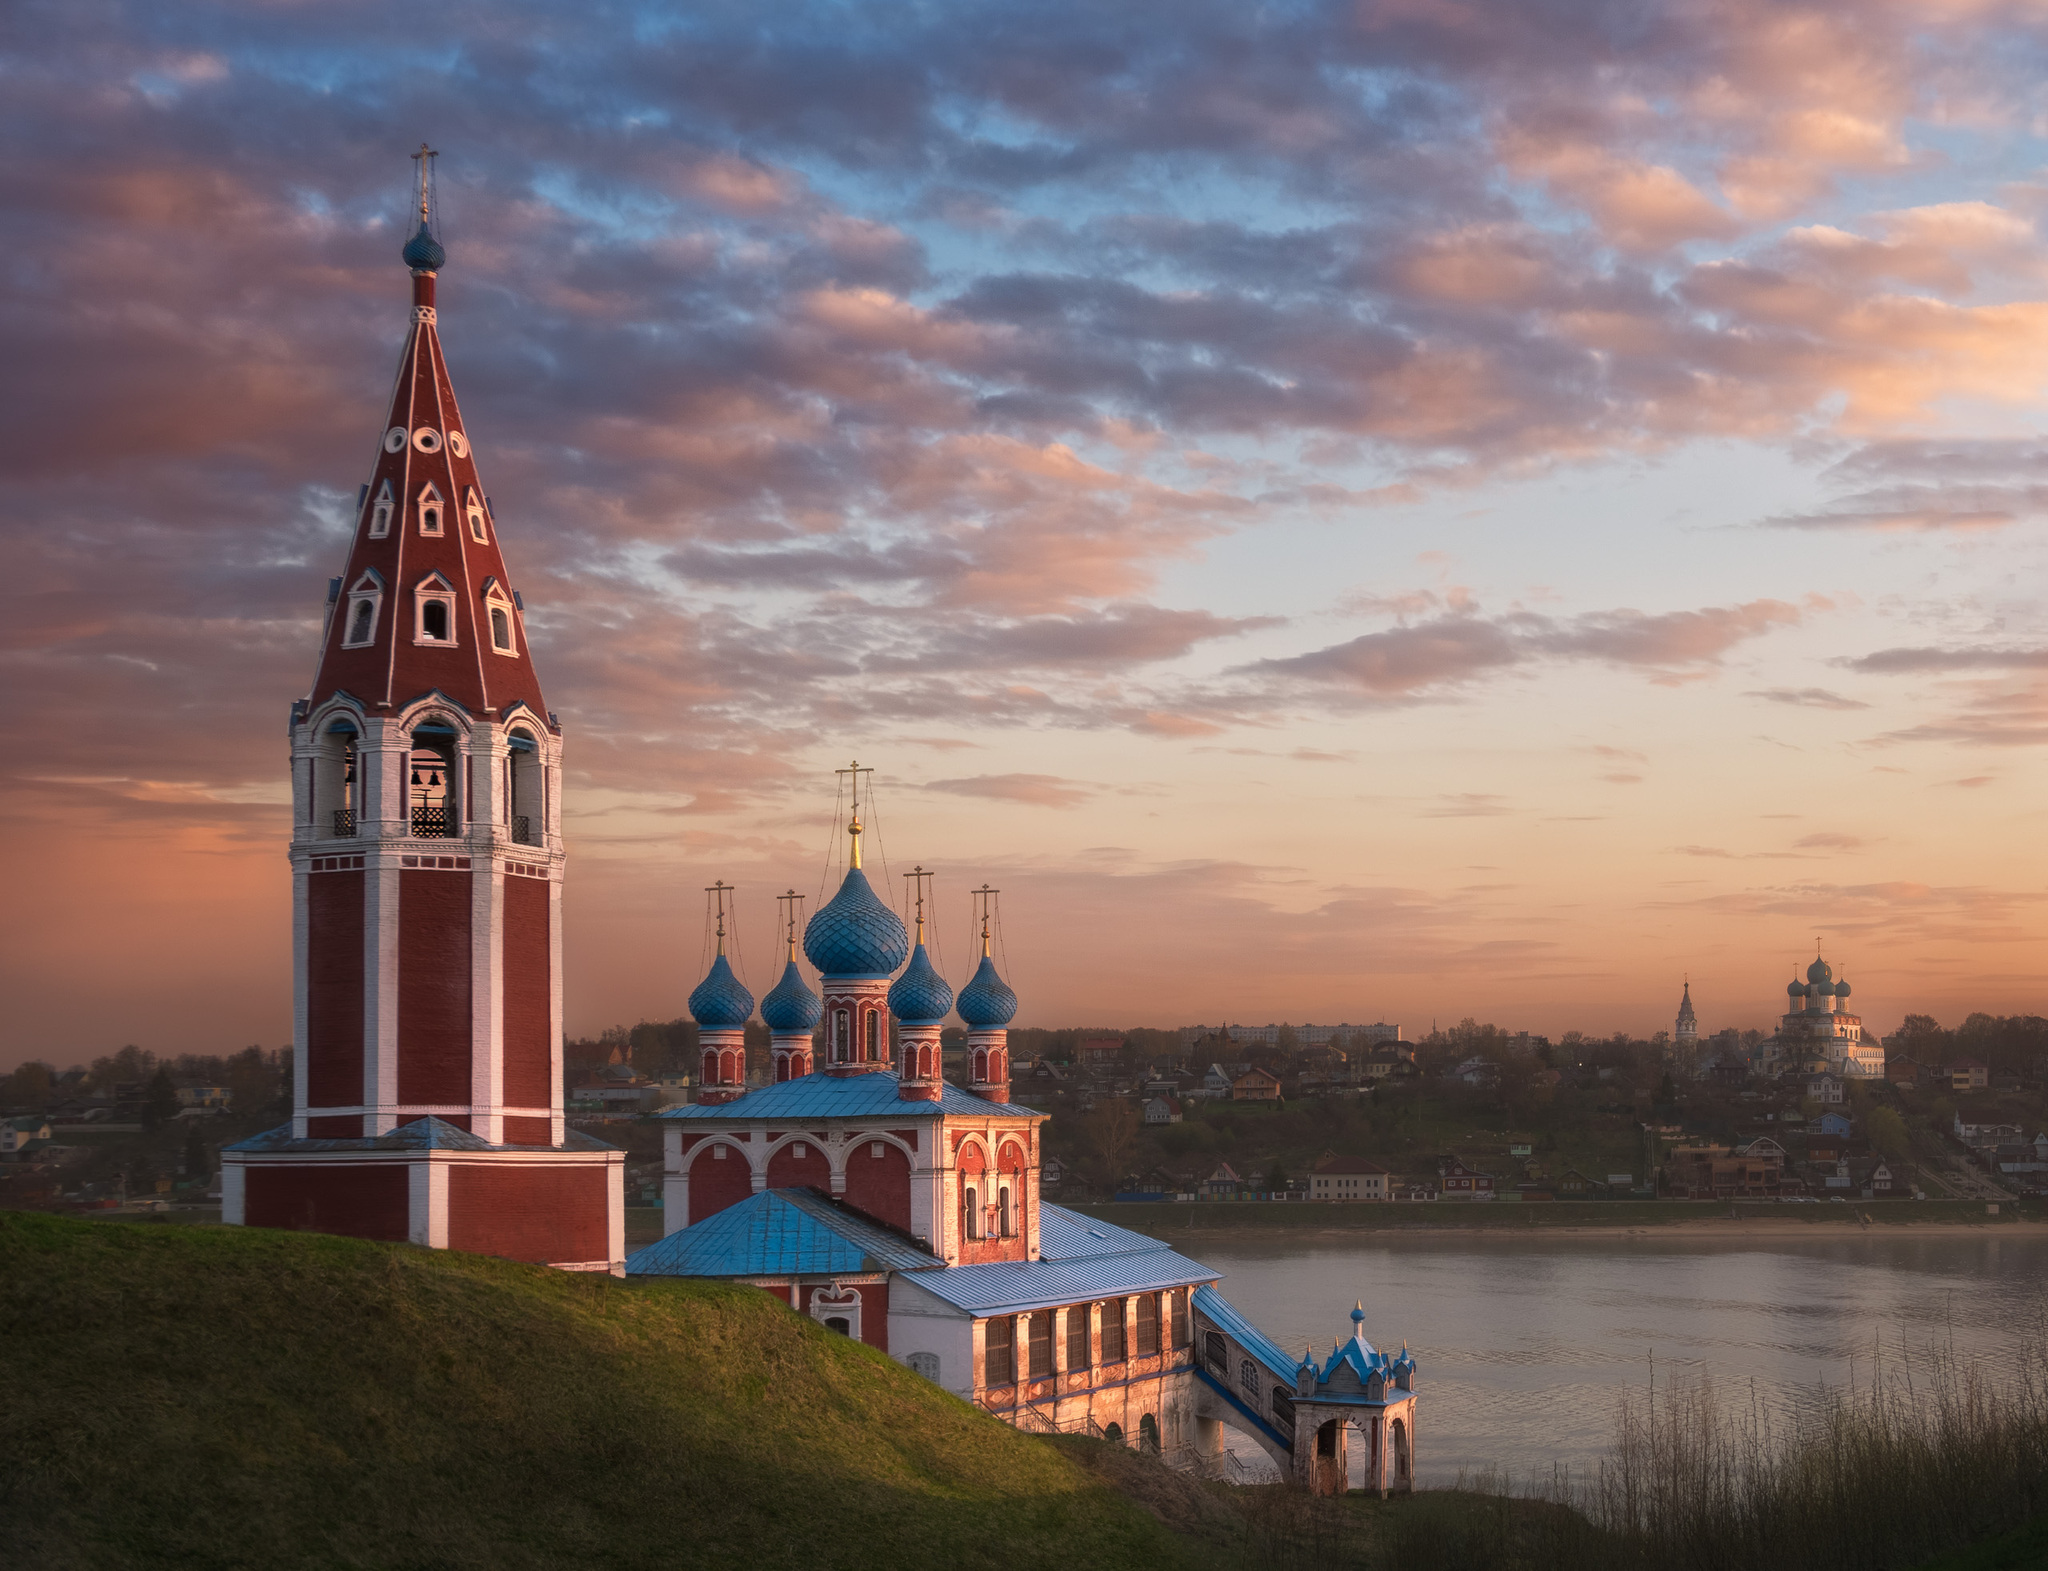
[{"x": 1393, "y": 511}]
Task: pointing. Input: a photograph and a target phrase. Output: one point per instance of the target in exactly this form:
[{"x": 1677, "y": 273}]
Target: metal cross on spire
[
  {"x": 790, "y": 902},
  {"x": 984, "y": 900},
  {"x": 425, "y": 159},
  {"x": 855, "y": 769},
  {"x": 917, "y": 878},
  {"x": 721, "y": 889}
]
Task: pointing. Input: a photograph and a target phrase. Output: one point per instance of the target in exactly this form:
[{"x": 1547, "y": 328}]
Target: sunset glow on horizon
[{"x": 1398, "y": 511}]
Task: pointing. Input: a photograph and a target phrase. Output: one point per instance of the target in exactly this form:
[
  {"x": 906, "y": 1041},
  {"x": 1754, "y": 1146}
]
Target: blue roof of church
[
  {"x": 854, "y": 934},
  {"x": 721, "y": 999},
  {"x": 422, "y": 1134},
  {"x": 1080, "y": 1259},
  {"x": 1223, "y": 1313},
  {"x": 851, "y": 1096},
  {"x": 780, "y": 1232},
  {"x": 790, "y": 1004}
]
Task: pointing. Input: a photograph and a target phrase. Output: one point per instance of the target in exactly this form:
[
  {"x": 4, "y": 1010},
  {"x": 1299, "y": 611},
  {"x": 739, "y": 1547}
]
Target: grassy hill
[{"x": 222, "y": 1398}]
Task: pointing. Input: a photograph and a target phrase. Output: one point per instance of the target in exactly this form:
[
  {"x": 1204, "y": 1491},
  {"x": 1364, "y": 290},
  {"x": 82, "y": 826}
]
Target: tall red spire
[{"x": 427, "y": 602}]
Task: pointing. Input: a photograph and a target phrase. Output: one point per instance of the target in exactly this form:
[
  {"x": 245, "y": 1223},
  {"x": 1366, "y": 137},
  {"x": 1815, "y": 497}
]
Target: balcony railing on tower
[
  {"x": 430, "y": 822},
  {"x": 344, "y": 823},
  {"x": 523, "y": 831}
]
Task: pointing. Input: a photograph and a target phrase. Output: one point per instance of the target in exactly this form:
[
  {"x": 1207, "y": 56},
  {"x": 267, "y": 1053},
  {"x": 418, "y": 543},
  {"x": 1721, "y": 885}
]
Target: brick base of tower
[{"x": 558, "y": 1207}]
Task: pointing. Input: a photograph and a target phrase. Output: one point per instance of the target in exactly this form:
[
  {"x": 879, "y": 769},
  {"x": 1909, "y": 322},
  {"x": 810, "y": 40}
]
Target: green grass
[{"x": 193, "y": 1396}]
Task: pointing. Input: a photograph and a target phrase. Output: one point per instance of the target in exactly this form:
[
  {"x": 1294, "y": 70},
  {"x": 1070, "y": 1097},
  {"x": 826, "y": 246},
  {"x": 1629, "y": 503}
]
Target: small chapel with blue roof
[{"x": 866, "y": 1191}]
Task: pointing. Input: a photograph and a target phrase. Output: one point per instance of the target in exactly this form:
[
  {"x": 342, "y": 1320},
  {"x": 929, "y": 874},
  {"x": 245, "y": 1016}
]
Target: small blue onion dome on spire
[
  {"x": 920, "y": 996},
  {"x": 1358, "y": 1314},
  {"x": 790, "y": 1005},
  {"x": 1795, "y": 989},
  {"x": 423, "y": 253},
  {"x": 1841, "y": 990},
  {"x": 854, "y": 934},
  {"x": 721, "y": 1000},
  {"x": 987, "y": 1001}
]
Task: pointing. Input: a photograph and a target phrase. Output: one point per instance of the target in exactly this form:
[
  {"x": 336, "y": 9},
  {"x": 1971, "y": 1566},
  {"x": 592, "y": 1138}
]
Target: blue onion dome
[
  {"x": 1819, "y": 972},
  {"x": 854, "y": 935},
  {"x": 1358, "y": 1316},
  {"x": 920, "y": 995},
  {"x": 987, "y": 1000},
  {"x": 1795, "y": 989},
  {"x": 721, "y": 1000},
  {"x": 1841, "y": 990},
  {"x": 790, "y": 1005},
  {"x": 423, "y": 253}
]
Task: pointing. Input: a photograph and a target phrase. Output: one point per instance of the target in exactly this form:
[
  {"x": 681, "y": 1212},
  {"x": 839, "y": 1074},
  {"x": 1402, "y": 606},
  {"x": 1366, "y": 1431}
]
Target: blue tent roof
[
  {"x": 780, "y": 1232},
  {"x": 422, "y": 1134},
  {"x": 853, "y": 1096}
]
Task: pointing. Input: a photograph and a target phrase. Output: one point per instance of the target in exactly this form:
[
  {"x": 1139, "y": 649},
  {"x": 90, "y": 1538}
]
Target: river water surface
[{"x": 1525, "y": 1345}]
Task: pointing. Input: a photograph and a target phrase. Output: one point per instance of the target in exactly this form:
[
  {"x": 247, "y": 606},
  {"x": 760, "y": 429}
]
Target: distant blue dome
[
  {"x": 1795, "y": 989},
  {"x": 920, "y": 996},
  {"x": 790, "y": 1005},
  {"x": 1820, "y": 973},
  {"x": 854, "y": 935},
  {"x": 1841, "y": 990},
  {"x": 987, "y": 1001},
  {"x": 423, "y": 253},
  {"x": 720, "y": 1001}
]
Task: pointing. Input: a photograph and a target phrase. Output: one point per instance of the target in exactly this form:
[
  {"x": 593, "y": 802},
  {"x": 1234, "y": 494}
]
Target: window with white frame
[
  {"x": 430, "y": 510},
  {"x": 433, "y": 611},
  {"x": 475, "y": 509},
  {"x": 498, "y": 615},
  {"x": 381, "y": 510},
  {"x": 365, "y": 599}
]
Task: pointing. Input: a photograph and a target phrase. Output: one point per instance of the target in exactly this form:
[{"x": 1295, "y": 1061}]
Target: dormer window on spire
[
  {"x": 474, "y": 507},
  {"x": 498, "y": 616},
  {"x": 365, "y": 598},
  {"x": 381, "y": 512},
  {"x": 430, "y": 510},
  {"x": 433, "y": 611}
]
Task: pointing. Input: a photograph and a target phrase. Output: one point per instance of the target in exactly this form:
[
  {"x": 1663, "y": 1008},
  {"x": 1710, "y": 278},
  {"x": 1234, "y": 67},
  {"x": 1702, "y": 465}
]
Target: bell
[
  {"x": 433, "y": 777},
  {"x": 415, "y": 777}
]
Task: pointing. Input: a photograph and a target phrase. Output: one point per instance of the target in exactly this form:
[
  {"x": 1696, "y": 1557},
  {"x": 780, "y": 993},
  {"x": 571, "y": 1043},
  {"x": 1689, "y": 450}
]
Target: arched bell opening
[
  {"x": 430, "y": 781},
  {"x": 528, "y": 805},
  {"x": 336, "y": 768}
]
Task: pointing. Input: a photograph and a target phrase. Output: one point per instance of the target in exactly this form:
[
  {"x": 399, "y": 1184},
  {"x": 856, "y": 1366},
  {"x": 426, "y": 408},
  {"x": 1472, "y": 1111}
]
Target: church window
[
  {"x": 430, "y": 511},
  {"x": 1009, "y": 1223},
  {"x": 1038, "y": 1344},
  {"x": 364, "y": 599},
  {"x": 999, "y": 1364},
  {"x": 1214, "y": 1353},
  {"x": 498, "y": 613},
  {"x": 435, "y": 617},
  {"x": 427, "y": 439},
  {"x": 381, "y": 511},
  {"x": 970, "y": 1212},
  {"x": 1283, "y": 1406},
  {"x": 1113, "y": 1331},
  {"x": 1177, "y": 1315},
  {"x": 1077, "y": 1337},
  {"x": 394, "y": 439},
  {"x": 1148, "y": 1325},
  {"x": 458, "y": 444},
  {"x": 842, "y": 1036},
  {"x": 475, "y": 510},
  {"x": 874, "y": 1036},
  {"x": 1248, "y": 1379}
]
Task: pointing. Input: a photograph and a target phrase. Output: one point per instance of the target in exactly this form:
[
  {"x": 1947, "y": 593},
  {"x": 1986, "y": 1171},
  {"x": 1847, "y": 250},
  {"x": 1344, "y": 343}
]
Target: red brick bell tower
[{"x": 427, "y": 868}]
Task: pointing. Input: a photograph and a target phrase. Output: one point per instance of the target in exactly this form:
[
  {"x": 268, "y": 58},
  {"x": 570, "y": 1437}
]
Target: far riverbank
[{"x": 1726, "y": 1218}]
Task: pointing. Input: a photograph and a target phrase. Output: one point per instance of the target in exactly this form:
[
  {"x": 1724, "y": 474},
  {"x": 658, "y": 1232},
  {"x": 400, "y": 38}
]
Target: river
[{"x": 1525, "y": 1345}]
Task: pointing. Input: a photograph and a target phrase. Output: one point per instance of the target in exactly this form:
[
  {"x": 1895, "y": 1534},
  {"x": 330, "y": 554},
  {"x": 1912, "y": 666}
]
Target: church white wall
[{"x": 921, "y": 1322}]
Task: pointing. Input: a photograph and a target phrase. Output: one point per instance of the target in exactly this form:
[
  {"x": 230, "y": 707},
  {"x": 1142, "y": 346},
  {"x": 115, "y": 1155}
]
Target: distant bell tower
[
  {"x": 427, "y": 865},
  {"x": 1685, "y": 1035}
]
